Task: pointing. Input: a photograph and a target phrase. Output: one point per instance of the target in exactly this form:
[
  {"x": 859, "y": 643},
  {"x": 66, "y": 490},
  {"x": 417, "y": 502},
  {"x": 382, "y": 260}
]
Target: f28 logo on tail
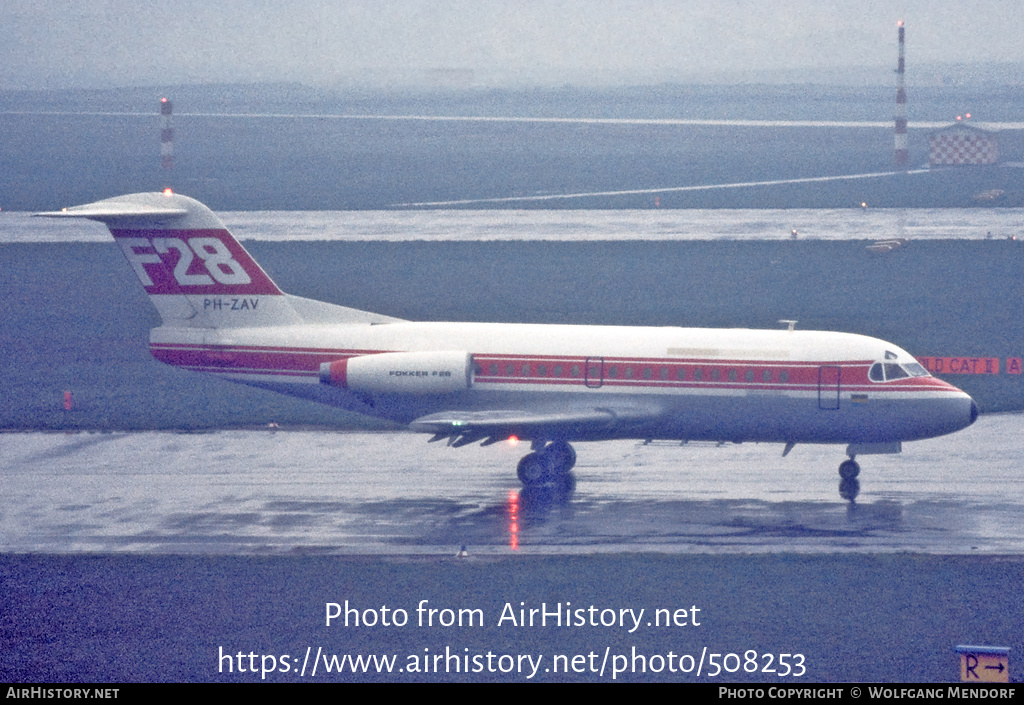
[
  {"x": 192, "y": 262},
  {"x": 221, "y": 266}
]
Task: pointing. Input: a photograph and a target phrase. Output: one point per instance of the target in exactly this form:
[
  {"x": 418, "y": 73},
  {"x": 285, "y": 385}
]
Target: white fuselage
[{"x": 680, "y": 383}]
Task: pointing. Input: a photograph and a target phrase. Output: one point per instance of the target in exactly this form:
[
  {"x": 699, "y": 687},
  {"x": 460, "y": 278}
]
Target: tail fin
[{"x": 196, "y": 273}]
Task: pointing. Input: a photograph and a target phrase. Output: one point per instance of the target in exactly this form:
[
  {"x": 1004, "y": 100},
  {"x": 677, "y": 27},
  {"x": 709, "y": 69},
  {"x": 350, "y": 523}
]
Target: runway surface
[
  {"x": 278, "y": 492},
  {"x": 158, "y": 556}
]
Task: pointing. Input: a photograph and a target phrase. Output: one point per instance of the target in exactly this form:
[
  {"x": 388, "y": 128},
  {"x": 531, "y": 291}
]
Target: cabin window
[
  {"x": 647, "y": 373},
  {"x": 629, "y": 373},
  {"x": 575, "y": 371},
  {"x": 663, "y": 373},
  {"x": 477, "y": 369},
  {"x": 698, "y": 374},
  {"x": 493, "y": 369},
  {"x": 784, "y": 376},
  {"x": 732, "y": 374},
  {"x": 613, "y": 372},
  {"x": 766, "y": 376},
  {"x": 681, "y": 373},
  {"x": 542, "y": 370},
  {"x": 749, "y": 376},
  {"x": 715, "y": 374},
  {"x": 558, "y": 370},
  {"x": 510, "y": 369}
]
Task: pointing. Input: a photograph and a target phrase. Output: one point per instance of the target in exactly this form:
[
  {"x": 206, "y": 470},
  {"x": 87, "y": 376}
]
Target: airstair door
[
  {"x": 828, "y": 387},
  {"x": 594, "y": 372}
]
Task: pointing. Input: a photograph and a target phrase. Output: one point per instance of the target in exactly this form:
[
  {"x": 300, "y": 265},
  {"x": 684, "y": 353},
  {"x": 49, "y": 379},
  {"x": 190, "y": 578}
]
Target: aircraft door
[
  {"x": 593, "y": 372},
  {"x": 828, "y": 387}
]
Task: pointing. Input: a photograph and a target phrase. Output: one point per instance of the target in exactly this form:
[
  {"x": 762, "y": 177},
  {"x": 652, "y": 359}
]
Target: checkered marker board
[{"x": 962, "y": 149}]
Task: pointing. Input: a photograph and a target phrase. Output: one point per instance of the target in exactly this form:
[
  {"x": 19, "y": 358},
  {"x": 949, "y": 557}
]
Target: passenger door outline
[
  {"x": 593, "y": 372},
  {"x": 829, "y": 385}
]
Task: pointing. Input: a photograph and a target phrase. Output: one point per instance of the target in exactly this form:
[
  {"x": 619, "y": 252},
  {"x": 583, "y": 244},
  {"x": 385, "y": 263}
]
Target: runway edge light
[{"x": 984, "y": 664}]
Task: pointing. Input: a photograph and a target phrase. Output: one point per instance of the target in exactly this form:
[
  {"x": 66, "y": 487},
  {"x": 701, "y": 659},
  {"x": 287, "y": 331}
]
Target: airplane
[{"x": 551, "y": 385}]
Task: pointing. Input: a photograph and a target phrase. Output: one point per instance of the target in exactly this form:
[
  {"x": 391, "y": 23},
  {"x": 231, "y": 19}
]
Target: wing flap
[{"x": 465, "y": 427}]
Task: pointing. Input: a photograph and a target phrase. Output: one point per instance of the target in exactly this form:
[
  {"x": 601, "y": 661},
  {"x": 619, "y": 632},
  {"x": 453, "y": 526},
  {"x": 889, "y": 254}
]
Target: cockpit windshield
[
  {"x": 889, "y": 371},
  {"x": 915, "y": 369}
]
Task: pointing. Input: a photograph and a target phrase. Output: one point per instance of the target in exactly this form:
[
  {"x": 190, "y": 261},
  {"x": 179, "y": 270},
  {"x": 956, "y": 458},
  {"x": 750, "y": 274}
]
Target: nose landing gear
[
  {"x": 849, "y": 487},
  {"x": 849, "y": 469}
]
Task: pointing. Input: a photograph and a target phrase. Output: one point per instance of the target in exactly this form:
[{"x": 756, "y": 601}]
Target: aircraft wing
[{"x": 465, "y": 427}]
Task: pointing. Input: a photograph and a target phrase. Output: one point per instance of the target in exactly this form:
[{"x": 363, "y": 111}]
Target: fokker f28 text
[{"x": 551, "y": 385}]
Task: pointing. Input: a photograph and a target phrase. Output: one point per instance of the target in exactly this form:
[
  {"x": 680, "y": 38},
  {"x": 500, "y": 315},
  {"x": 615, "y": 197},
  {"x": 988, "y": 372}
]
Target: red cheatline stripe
[{"x": 305, "y": 362}]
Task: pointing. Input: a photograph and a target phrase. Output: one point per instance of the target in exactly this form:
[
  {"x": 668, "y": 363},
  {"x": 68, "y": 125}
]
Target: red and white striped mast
[
  {"x": 166, "y": 135},
  {"x": 901, "y": 155}
]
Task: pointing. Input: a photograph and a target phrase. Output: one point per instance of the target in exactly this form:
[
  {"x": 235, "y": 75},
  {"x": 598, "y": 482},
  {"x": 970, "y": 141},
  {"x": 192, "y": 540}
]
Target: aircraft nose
[
  {"x": 966, "y": 414},
  {"x": 963, "y": 411}
]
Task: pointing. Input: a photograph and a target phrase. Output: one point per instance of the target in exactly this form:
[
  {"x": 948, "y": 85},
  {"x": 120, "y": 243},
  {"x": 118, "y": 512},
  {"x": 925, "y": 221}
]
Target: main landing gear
[
  {"x": 849, "y": 487},
  {"x": 549, "y": 469}
]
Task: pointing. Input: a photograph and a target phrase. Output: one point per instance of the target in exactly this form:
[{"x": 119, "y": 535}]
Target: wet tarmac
[
  {"x": 158, "y": 556},
  {"x": 279, "y": 492}
]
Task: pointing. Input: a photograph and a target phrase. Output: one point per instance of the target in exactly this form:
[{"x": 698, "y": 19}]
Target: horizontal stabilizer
[
  {"x": 137, "y": 206},
  {"x": 108, "y": 214}
]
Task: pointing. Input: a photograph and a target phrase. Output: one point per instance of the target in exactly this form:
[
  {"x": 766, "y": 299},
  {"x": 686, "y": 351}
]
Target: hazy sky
[{"x": 99, "y": 43}]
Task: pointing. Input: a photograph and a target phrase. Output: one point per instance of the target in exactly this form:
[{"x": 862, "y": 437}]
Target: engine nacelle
[{"x": 433, "y": 372}]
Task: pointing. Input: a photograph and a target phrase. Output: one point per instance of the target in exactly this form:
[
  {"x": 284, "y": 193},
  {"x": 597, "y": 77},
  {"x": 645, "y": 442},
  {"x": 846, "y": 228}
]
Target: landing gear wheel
[
  {"x": 849, "y": 470},
  {"x": 547, "y": 476},
  {"x": 561, "y": 457},
  {"x": 548, "y": 466},
  {"x": 533, "y": 470}
]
